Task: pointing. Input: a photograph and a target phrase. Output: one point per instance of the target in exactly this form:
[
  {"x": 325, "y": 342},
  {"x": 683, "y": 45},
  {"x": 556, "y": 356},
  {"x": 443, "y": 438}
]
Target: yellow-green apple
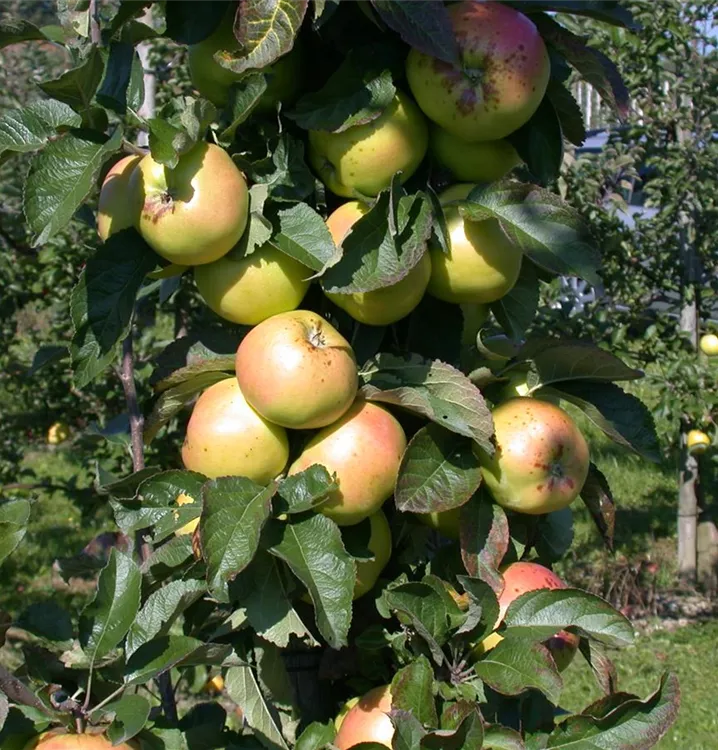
[
  {"x": 364, "y": 158},
  {"x": 214, "y": 684},
  {"x": 297, "y": 370},
  {"x": 519, "y": 578},
  {"x": 367, "y": 721},
  {"x": 364, "y": 450},
  {"x": 213, "y": 81},
  {"x": 190, "y": 526},
  {"x": 709, "y": 344},
  {"x": 482, "y": 264},
  {"x": 446, "y": 522},
  {"x": 251, "y": 289},
  {"x": 196, "y": 212},
  {"x": 368, "y": 571},
  {"x": 541, "y": 459},
  {"x": 379, "y": 307},
  {"x": 482, "y": 161},
  {"x": 499, "y": 82},
  {"x": 226, "y": 437},
  {"x": 698, "y": 442},
  {"x": 115, "y": 209},
  {"x": 62, "y": 741},
  {"x": 58, "y": 433}
]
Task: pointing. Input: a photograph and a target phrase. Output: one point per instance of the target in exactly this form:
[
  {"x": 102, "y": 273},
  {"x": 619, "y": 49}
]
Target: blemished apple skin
[
  {"x": 541, "y": 461},
  {"x": 115, "y": 209},
  {"x": 482, "y": 264},
  {"x": 379, "y": 307},
  {"x": 502, "y": 78},
  {"x": 194, "y": 213},
  {"x": 364, "y": 158},
  {"x": 297, "y": 370},
  {"x": 226, "y": 437},
  {"x": 364, "y": 450},
  {"x": 251, "y": 289},
  {"x": 367, "y": 721}
]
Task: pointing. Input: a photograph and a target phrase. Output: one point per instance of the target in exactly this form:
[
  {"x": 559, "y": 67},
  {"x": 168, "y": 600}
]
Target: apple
[
  {"x": 195, "y": 213},
  {"x": 364, "y": 450},
  {"x": 698, "y": 442},
  {"x": 188, "y": 528},
  {"x": 364, "y": 158},
  {"x": 379, "y": 307},
  {"x": 344, "y": 711},
  {"x": 367, "y": 721},
  {"x": 215, "y": 684},
  {"x": 482, "y": 264},
  {"x": 446, "y": 522},
  {"x": 62, "y": 741},
  {"x": 519, "y": 578},
  {"x": 482, "y": 161},
  {"x": 541, "y": 459},
  {"x": 709, "y": 344},
  {"x": 499, "y": 82},
  {"x": 226, "y": 437},
  {"x": 114, "y": 210},
  {"x": 251, "y": 289},
  {"x": 368, "y": 571},
  {"x": 297, "y": 370},
  {"x": 213, "y": 82},
  {"x": 58, "y": 433}
]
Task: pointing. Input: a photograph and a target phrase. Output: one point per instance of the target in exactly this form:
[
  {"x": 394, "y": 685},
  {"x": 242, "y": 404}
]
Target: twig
[{"x": 130, "y": 148}]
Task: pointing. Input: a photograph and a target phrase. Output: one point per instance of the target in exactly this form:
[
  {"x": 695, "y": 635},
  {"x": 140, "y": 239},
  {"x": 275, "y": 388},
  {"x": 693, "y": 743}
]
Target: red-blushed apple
[
  {"x": 213, "y": 81},
  {"x": 344, "y": 711},
  {"x": 482, "y": 161},
  {"x": 364, "y": 158},
  {"x": 196, "y": 212},
  {"x": 297, "y": 370},
  {"x": 364, "y": 450},
  {"x": 709, "y": 344},
  {"x": 251, "y": 289},
  {"x": 115, "y": 209},
  {"x": 541, "y": 460},
  {"x": 62, "y": 741},
  {"x": 367, "y": 721},
  {"x": 190, "y": 526},
  {"x": 482, "y": 264},
  {"x": 368, "y": 571},
  {"x": 499, "y": 82},
  {"x": 379, "y": 307},
  {"x": 698, "y": 442},
  {"x": 226, "y": 437},
  {"x": 519, "y": 578}
]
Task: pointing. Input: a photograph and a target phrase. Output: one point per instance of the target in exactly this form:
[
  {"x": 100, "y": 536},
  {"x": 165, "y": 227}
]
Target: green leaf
[
  {"x": 408, "y": 733},
  {"x": 158, "y": 656},
  {"x": 622, "y": 417},
  {"x": 426, "y": 26},
  {"x": 306, "y": 490},
  {"x": 47, "y": 620},
  {"x": 541, "y": 224},
  {"x": 173, "y": 400},
  {"x": 14, "y": 30},
  {"x": 484, "y": 539},
  {"x": 115, "y": 87},
  {"x": 412, "y": 690},
  {"x": 497, "y": 737},
  {"x": 596, "y": 654},
  {"x": 242, "y": 687},
  {"x": 61, "y": 177},
  {"x": 259, "y": 228},
  {"x": 77, "y": 87},
  {"x": 102, "y": 303},
  {"x": 234, "y": 511},
  {"x": 516, "y": 310},
  {"x": 540, "y": 614},
  {"x": 384, "y": 245},
  {"x": 313, "y": 549},
  {"x": 483, "y": 597},
  {"x": 597, "y": 497},
  {"x": 516, "y": 665},
  {"x": 303, "y": 235},
  {"x": 632, "y": 725},
  {"x": 5, "y": 710},
  {"x": 128, "y": 714},
  {"x": 608, "y": 11},
  {"x": 568, "y": 112},
  {"x": 439, "y": 471},
  {"x": 469, "y": 735},
  {"x": 355, "y": 94},
  {"x": 14, "y": 516},
  {"x": 244, "y": 96},
  {"x": 191, "y": 21},
  {"x": 105, "y": 621},
  {"x": 32, "y": 127},
  {"x": 316, "y": 736},
  {"x": 285, "y": 170},
  {"x": 182, "y": 123},
  {"x": 165, "y": 559},
  {"x": 434, "y": 390},
  {"x": 160, "y": 610},
  {"x": 266, "y": 30},
  {"x": 554, "y": 535},
  {"x": 539, "y": 143},
  {"x": 125, "y": 487}
]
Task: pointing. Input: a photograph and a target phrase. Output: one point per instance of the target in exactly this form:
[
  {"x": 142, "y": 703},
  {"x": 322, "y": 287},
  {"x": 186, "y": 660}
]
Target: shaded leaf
[
  {"x": 128, "y": 714},
  {"x": 412, "y": 690},
  {"x": 516, "y": 310},
  {"x": 539, "y": 143},
  {"x": 554, "y": 535},
  {"x": 157, "y": 656},
  {"x": 596, "y": 495},
  {"x": 77, "y": 87},
  {"x": 596, "y": 654},
  {"x": 191, "y": 21},
  {"x": 47, "y": 620},
  {"x": 484, "y": 538},
  {"x": 568, "y": 112},
  {"x": 469, "y": 735}
]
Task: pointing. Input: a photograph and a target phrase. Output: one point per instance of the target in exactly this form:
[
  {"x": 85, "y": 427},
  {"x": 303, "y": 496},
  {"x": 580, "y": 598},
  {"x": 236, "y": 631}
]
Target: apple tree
[{"x": 371, "y": 471}]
